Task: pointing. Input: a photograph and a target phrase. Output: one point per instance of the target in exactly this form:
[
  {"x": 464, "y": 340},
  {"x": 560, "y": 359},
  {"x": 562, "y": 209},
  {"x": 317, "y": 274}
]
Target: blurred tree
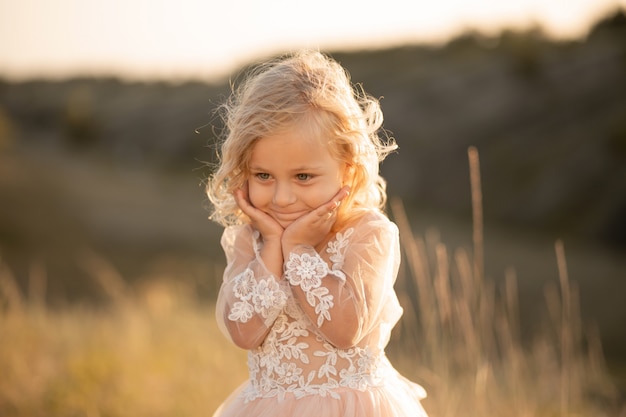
[
  {"x": 613, "y": 23},
  {"x": 525, "y": 51},
  {"x": 7, "y": 131},
  {"x": 80, "y": 121}
]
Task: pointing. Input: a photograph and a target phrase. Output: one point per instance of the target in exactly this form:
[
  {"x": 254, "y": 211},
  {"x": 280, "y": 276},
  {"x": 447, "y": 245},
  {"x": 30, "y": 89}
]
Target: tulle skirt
[{"x": 398, "y": 397}]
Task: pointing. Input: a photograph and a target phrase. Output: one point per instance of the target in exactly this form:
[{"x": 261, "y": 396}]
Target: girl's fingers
[
  {"x": 342, "y": 193},
  {"x": 241, "y": 201},
  {"x": 311, "y": 228},
  {"x": 260, "y": 220},
  {"x": 329, "y": 209}
]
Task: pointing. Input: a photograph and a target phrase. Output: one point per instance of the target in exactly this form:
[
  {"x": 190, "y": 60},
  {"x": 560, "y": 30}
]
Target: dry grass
[
  {"x": 155, "y": 354},
  {"x": 156, "y": 350},
  {"x": 460, "y": 335}
]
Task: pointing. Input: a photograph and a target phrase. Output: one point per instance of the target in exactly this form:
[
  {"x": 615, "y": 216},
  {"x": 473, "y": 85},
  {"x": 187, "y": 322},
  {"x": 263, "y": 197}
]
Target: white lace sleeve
[
  {"x": 250, "y": 297},
  {"x": 262, "y": 297}
]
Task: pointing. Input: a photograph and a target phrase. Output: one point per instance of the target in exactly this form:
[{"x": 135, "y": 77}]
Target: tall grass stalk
[{"x": 461, "y": 333}]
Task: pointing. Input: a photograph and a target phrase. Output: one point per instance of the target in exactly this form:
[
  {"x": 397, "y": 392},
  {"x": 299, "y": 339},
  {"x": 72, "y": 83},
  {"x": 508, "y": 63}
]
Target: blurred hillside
[
  {"x": 549, "y": 120},
  {"x": 117, "y": 168}
]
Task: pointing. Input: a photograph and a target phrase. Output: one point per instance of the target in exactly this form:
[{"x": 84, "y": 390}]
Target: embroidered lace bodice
[{"x": 325, "y": 323}]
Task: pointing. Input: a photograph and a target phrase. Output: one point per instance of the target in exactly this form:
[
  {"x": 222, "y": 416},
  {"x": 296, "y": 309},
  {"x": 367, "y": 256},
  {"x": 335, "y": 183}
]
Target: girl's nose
[{"x": 283, "y": 195}]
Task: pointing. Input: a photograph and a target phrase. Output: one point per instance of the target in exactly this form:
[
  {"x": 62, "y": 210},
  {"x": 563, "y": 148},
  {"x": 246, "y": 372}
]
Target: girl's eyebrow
[
  {"x": 307, "y": 168},
  {"x": 258, "y": 168},
  {"x": 302, "y": 168}
]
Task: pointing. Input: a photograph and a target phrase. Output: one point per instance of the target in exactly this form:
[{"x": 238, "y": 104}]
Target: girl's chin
[{"x": 287, "y": 219}]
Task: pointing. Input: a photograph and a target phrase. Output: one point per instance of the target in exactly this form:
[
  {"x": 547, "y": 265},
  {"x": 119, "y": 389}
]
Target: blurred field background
[{"x": 109, "y": 266}]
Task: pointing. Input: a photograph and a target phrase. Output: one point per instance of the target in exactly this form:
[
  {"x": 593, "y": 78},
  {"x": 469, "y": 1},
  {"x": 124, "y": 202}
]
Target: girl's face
[{"x": 291, "y": 174}]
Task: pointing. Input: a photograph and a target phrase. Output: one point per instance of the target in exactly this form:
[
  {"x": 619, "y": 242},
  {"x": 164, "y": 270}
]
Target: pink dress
[{"x": 317, "y": 335}]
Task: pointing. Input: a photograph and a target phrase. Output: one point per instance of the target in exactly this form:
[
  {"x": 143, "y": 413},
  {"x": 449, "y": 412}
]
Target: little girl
[{"x": 311, "y": 258}]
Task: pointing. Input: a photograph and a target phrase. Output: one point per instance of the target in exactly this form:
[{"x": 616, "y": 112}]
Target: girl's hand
[
  {"x": 269, "y": 228},
  {"x": 312, "y": 228}
]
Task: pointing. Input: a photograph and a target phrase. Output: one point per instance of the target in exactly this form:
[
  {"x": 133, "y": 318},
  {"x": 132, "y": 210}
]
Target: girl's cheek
[{"x": 327, "y": 194}]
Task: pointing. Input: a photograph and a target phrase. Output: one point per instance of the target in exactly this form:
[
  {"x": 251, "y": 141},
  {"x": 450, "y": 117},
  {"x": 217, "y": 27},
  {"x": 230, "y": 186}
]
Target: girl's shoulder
[
  {"x": 236, "y": 232},
  {"x": 370, "y": 219}
]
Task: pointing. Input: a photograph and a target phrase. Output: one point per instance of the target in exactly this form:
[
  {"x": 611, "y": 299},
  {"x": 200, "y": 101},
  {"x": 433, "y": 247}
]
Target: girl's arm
[
  {"x": 251, "y": 297},
  {"x": 272, "y": 232},
  {"x": 346, "y": 295}
]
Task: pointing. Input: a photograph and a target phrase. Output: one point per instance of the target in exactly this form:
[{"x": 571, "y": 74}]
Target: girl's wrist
[
  {"x": 272, "y": 256},
  {"x": 297, "y": 248},
  {"x": 289, "y": 240},
  {"x": 287, "y": 246}
]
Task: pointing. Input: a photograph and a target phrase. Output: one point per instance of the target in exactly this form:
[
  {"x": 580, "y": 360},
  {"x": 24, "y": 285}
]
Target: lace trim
[
  {"x": 337, "y": 251},
  {"x": 307, "y": 271},
  {"x": 273, "y": 377},
  {"x": 264, "y": 297}
]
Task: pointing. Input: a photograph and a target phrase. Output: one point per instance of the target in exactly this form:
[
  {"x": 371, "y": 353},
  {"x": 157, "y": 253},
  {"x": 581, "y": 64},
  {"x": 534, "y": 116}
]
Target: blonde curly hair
[{"x": 310, "y": 87}]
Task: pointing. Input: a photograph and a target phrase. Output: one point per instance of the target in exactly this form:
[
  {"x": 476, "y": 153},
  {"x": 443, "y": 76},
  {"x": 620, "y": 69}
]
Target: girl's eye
[
  {"x": 263, "y": 176},
  {"x": 303, "y": 177}
]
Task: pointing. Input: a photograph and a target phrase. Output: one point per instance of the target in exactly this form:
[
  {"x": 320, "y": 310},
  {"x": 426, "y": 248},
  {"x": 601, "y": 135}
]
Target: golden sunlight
[{"x": 200, "y": 39}]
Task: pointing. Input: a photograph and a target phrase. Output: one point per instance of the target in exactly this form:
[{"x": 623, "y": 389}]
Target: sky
[{"x": 208, "y": 39}]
